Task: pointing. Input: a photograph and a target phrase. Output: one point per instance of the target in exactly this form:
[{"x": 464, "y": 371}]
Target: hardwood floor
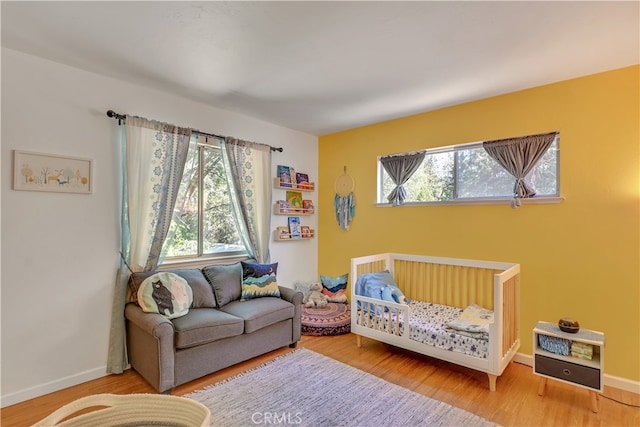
[{"x": 514, "y": 403}]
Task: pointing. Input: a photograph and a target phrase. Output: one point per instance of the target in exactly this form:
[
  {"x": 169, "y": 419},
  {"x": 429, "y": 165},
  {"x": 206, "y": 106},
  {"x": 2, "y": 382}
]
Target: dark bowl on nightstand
[{"x": 569, "y": 325}]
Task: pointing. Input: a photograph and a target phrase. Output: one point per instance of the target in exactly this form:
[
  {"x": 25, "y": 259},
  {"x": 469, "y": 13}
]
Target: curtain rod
[{"x": 122, "y": 117}]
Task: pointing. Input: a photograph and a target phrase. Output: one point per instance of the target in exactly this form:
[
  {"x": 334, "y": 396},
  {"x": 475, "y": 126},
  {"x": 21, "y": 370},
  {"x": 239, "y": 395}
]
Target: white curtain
[
  {"x": 248, "y": 167},
  {"x": 154, "y": 156}
]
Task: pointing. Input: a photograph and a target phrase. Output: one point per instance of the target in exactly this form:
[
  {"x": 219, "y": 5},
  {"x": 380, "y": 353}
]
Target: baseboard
[
  {"x": 609, "y": 380},
  {"x": 50, "y": 387}
]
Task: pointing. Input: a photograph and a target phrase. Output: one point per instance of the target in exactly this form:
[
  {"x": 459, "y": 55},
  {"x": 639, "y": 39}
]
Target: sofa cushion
[
  {"x": 165, "y": 293},
  {"x": 226, "y": 281},
  {"x": 261, "y": 312},
  {"x": 204, "y": 325},
  {"x": 200, "y": 288}
]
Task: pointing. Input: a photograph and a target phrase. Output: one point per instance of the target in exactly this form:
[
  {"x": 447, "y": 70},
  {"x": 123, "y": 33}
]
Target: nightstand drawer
[{"x": 560, "y": 369}]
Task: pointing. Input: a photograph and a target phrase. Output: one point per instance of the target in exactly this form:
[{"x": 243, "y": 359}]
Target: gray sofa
[{"x": 218, "y": 331}]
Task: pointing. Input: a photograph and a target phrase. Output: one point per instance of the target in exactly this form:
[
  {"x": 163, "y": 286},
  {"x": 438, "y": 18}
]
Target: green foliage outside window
[{"x": 206, "y": 228}]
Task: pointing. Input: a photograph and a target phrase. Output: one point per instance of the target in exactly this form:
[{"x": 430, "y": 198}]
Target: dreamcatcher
[{"x": 344, "y": 201}]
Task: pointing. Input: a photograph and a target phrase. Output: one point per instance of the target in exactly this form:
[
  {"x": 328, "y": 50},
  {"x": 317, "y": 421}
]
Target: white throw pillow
[{"x": 165, "y": 293}]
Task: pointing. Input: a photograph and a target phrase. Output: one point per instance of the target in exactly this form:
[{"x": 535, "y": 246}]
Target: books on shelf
[
  {"x": 294, "y": 227},
  {"x": 295, "y": 199},
  {"x": 283, "y": 232},
  {"x": 292, "y": 172},
  {"x": 307, "y": 206},
  {"x": 284, "y": 206},
  {"x": 302, "y": 180},
  {"x": 288, "y": 177},
  {"x": 306, "y": 231},
  {"x": 284, "y": 175}
]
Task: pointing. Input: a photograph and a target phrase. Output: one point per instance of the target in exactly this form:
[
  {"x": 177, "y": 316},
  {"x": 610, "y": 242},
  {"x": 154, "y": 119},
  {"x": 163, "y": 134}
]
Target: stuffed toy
[
  {"x": 394, "y": 294},
  {"x": 315, "y": 297}
]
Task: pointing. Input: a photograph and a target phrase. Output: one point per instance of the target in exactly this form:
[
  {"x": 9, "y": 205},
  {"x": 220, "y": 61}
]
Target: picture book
[
  {"x": 283, "y": 232},
  {"x": 295, "y": 199},
  {"x": 284, "y": 175},
  {"x": 284, "y": 206},
  {"x": 306, "y": 231},
  {"x": 302, "y": 180},
  {"x": 292, "y": 174},
  {"x": 307, "y": 206},
  {"x": 294, "y": 227}
]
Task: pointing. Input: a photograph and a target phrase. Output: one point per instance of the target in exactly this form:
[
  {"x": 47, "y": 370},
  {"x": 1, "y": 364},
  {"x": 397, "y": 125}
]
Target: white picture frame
[{"x": 52, "y": 172}]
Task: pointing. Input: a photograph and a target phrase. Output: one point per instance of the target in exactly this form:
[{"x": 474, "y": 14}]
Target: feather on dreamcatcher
[{"x": 344, "y": 201}]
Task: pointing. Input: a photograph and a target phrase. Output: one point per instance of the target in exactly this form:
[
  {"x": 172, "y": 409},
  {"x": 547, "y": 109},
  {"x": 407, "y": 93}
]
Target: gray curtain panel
[
  {"x": 400, "y": 168},
  {"x": 518, "y": 156}
]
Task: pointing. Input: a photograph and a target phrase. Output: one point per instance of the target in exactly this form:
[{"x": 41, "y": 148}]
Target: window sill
[
  {"x": 200, "y": 262},
  {"x": 482, "y": 201}
]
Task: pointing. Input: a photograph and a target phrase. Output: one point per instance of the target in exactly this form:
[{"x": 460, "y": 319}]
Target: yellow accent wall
[{"x": 579, "y": 258}]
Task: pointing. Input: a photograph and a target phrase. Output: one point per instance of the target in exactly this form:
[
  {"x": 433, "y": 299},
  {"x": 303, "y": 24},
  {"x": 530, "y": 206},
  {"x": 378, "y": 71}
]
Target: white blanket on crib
[{"x": 473, "y": 322}]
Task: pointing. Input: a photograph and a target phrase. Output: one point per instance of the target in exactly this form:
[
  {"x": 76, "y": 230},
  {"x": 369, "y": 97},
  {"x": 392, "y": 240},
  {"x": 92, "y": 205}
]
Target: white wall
[{"x": 60, "y": 251}]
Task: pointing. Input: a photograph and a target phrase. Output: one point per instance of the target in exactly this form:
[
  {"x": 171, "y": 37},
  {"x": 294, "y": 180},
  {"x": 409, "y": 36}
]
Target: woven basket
[{"x": 131, "y": 410}]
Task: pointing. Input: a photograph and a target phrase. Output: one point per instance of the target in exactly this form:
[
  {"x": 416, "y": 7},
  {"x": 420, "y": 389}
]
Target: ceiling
[{"x": 322, "y": 67}]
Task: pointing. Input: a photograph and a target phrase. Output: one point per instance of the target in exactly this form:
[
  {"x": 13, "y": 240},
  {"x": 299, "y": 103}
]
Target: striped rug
[{"x": 304, "y": 388}]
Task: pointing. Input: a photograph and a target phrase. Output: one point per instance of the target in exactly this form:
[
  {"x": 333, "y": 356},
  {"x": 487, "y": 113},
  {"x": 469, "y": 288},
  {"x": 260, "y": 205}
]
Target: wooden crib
[{"x": 447, "y": 281}]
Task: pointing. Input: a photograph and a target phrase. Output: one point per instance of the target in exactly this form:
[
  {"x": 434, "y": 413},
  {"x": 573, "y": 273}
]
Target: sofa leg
[
  {"x": 293, "y": 345},
  {"x": 167, "y": 392}
]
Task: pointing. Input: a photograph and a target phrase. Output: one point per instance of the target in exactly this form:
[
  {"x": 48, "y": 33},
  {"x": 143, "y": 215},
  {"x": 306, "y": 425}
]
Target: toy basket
[{"x": 130, "y": 410}]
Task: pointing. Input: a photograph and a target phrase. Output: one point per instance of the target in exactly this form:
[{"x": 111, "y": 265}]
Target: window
[
  {"x": 203, "y": 225},
  {"x": 466, "y": 173}
]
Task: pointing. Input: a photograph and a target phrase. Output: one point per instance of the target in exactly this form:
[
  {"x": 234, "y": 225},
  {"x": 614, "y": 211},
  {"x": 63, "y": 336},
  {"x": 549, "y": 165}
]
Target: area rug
[{"x": 304, "y": 388}]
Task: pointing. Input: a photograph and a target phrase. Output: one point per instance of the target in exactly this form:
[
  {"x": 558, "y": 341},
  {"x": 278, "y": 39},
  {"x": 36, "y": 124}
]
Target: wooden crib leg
[
  {"x": 492, "y": 382},
  {"x": 359, "y": 341}
]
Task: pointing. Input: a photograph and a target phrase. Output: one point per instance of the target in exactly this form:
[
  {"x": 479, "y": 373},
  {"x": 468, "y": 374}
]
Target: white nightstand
[{"x": 573, "y": 370}]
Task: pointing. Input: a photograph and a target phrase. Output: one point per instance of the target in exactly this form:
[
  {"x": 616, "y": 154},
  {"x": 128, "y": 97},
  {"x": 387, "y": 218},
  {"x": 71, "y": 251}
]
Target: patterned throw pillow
[
  {"x": 259, "y": 280},
  {"x": 335, "y": 287},
  {"x": 165, "y": 293}
]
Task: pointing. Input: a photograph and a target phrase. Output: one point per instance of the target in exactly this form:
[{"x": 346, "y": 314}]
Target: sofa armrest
[
  {"x": 152, "y": 323},
  {"x": 291, "y": 295},
  {"x": 150, "y": 346},
  {"x": 295, "y": 298}
]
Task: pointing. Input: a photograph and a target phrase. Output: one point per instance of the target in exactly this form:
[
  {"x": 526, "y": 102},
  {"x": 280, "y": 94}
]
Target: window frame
[
  {"x": 495, "y": 200},
  {"x": 201, "y": 258}
]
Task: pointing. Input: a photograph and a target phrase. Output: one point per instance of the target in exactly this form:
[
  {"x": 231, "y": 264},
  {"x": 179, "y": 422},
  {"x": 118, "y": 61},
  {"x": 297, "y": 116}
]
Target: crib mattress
[{"x": 428, "y": 325}]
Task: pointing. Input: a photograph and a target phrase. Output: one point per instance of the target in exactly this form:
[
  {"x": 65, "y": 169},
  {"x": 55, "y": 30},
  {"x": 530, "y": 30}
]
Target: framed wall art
[{"x": 51, "y": 172}]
